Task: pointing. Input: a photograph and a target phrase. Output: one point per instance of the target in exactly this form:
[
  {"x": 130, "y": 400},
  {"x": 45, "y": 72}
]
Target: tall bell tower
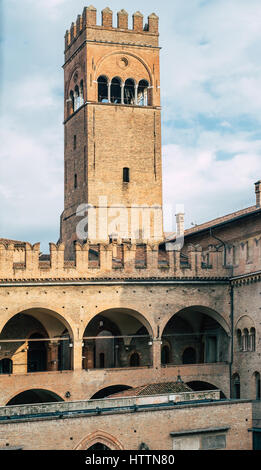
[{"x": 112, "y": 128}]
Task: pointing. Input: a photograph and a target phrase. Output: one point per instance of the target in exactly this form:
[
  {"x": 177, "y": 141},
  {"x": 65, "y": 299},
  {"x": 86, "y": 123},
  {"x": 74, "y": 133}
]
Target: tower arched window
[
  {"x": 103, "y": 89},
  {"x": 76, "y": 98},
  {"x": 143, "y": 93},
  {"x": 71, "y": 102},
  {"x": 239, "y": 340},
  {"x": 81, "y": 100},
  {"x": 245, "y": 340},
  {"x": 116, "y": 96},
  {"x": 252, "y": 340},
  {"x": 129, "y": 92}
]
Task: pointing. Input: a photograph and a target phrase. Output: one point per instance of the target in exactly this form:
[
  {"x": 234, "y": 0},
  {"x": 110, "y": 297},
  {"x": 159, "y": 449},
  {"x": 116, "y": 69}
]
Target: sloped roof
[
  {"x": 154, "y": 389},
  {"x": 221, "y": 220},
  {"x": 218, "y": 221}
]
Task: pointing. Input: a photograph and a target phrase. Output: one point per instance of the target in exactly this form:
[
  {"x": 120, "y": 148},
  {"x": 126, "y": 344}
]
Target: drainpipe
[{"x": 232, "y": 335}]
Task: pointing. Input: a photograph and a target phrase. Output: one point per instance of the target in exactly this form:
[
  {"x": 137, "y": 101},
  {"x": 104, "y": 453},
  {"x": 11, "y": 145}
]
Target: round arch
[
  {"x": 31, "y": 396},
  {"x": 38, "y": 311},
  {"x": 108, "y": 391},
  {"x": 112, "y": 335},
  {"x": 202, "y": 309},
  {"x": 99, "y": 437},
  {"x": 201, "y": 329},
  {"x": 120, "y": 53},
  {"x": 70, "y": 84},
  {"x": 245, "y": 321},
  {"x": 119, "y": 311},
  {"x": 200, "y": 386}
]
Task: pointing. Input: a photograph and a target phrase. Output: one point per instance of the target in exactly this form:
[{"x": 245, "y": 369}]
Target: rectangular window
[
  {"x": 74, "y": 142},
  {"x": 213, "y": 442},
  {"x": 126, "y": 175}
]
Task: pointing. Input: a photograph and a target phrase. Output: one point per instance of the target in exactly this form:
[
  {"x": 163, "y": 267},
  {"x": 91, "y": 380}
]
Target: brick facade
[{"x": 121, "y": 311}]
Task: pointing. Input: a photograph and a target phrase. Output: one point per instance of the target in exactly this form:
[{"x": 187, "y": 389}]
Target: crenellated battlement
[
  {"x": 129, "y": 260},
  {"x": 88, "y": 19},
  {"x": 112, "y": 260}
]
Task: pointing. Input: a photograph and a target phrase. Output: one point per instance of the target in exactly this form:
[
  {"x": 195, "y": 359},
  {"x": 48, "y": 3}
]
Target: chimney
[
  {"x": 258, "y": 193},
  {"x": 180, "y": 224}
]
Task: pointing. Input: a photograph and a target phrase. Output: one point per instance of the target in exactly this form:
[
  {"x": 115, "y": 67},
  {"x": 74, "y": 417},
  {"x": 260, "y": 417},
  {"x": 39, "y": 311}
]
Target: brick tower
[{"x": 112, "y": 122}]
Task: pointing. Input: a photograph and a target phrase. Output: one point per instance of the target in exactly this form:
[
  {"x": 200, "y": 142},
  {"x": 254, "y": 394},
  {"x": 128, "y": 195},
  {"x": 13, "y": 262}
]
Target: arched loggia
[
  {"x": 196, "y": 336},
  {"x": 113, "y": 337},
  {"x": 36, "y": 340}
]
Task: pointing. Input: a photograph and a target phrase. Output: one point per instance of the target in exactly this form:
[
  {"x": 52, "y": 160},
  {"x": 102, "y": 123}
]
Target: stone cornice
[
  {"x": 110, "y": 281},
  {"x": 244, "y": 279}
]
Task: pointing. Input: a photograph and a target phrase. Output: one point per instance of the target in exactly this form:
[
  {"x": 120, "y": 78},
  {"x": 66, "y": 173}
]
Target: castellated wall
[
  {"x": 112, "y": 260},
  {"x": 128, "y": 260}
]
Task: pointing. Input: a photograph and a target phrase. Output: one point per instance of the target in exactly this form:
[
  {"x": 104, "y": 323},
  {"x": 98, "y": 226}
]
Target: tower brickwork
[{"x": 112, "y": 121}]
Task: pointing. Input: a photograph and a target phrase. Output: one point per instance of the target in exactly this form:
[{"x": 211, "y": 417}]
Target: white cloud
[
  {"x": 31, "y": 182},
  {"x": 209, "y": 187},
  {"x": 34, "y": 92},
  {"x": 210, "y": 66},
  {"x": 223, "y": 77}
]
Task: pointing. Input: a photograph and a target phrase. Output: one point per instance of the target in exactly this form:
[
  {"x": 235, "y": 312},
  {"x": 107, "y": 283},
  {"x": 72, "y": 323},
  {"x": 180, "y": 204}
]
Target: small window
[
  {"x": 126, "y": 175},
  {"x": 75, "y": 182},
  {"x": 74, "y": 141}
]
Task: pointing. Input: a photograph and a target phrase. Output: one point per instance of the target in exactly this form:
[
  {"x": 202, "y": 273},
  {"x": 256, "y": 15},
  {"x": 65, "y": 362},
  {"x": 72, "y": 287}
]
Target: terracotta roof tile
[{"x": 154, "y": 389}]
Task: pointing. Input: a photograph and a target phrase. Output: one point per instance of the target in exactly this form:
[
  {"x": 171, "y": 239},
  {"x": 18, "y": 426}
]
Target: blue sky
[{"x": 210, "y": 84}]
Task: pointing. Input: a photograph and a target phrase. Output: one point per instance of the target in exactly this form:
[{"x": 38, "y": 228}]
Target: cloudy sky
[{"x": 210, "y": 84}]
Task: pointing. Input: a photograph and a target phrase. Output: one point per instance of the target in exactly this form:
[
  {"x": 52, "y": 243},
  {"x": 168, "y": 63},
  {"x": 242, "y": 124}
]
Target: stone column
[
  {"x": 136, "y": 94},
  {"x": 109, "y": 92},
  {"x": 122, "y": 93}
]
